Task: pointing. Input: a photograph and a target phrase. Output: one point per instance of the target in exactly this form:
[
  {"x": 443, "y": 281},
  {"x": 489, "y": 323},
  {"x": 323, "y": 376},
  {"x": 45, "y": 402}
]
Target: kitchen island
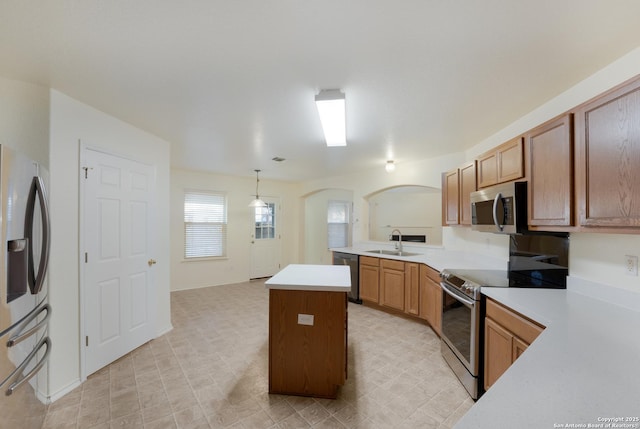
[{"x": 308, "y": 329}]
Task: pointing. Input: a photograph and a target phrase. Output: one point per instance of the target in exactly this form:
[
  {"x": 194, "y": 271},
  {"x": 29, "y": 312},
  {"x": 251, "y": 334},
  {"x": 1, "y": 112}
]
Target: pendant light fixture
[{"x": 257, "y": 202}]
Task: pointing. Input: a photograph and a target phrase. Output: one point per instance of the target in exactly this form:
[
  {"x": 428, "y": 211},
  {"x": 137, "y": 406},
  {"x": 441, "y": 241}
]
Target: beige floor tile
[{"x": 211, "y": 371}]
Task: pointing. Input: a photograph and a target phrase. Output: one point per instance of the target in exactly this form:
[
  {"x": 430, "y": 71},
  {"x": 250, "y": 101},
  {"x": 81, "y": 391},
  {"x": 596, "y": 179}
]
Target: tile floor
[{"x": 211, "y": 371}]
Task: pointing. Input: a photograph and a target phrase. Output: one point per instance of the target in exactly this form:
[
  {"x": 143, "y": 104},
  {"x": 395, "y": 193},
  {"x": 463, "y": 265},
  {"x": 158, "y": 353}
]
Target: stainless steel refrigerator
[{"x": 24, "y": 306}]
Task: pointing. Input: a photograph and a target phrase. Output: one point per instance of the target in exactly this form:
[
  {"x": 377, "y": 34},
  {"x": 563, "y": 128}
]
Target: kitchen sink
[{"x": 393, "y": 252}]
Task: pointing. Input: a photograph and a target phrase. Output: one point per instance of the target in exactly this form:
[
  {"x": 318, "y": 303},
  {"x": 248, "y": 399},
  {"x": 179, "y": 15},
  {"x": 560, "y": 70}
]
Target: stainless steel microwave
[{"x": 501, "y": 209}]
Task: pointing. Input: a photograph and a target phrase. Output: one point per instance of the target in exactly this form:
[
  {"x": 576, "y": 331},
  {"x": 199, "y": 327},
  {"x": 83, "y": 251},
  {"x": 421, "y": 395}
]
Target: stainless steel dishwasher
[{"x": 340, "y": 258}]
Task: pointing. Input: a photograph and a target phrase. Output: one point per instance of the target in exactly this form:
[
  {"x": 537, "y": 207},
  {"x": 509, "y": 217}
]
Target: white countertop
[
  {"x": 435, "y": 257},
  {"x": 320, "y": 278},
  {"x": 582, "y": 369}
]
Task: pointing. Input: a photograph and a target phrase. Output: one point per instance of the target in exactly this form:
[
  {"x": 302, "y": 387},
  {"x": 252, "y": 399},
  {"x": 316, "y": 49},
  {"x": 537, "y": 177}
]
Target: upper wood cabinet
[
  {"x": 467, "y": 186},
  {"x": 457, "y": 186},
  {"x": 550, "y": 149},
  {"x": 450, "y": 198},
  {"x": 608, "y": 159},
  {"x": 502, "y": 164}
]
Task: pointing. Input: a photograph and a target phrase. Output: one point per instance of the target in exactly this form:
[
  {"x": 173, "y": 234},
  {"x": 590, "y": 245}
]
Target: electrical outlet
[{"x": 631, "y": 265}]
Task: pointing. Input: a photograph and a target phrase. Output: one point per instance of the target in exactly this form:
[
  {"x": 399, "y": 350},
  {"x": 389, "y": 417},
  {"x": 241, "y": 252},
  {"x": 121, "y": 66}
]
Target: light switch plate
[{"x": 305, "y": 319}]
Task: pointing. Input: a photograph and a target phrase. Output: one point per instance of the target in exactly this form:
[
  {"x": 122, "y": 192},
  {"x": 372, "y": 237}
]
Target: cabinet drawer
[
  {"x": 519, "y": 325},
  {"x": 390, "y": 264},
  {"x": 368, "y": 260}
]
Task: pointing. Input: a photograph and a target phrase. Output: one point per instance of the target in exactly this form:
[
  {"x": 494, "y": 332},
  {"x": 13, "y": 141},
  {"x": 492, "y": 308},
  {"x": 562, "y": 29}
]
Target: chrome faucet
[{"x": 399, "y": 244}]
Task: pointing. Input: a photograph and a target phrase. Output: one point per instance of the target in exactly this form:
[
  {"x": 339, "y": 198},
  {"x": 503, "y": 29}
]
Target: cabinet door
[
  {"x": 608, "y": 159},
  {"x": 392, "y": 288},
  {"x": 423, "y": 310},
  {"x": 412, "y": 288},
  {"x": 487, "y": 170},
  {"x": 369, "y": 281},
  {"x": 510, "y": 161},
  {"x": 551, "y": 173},
  {"x": 498, "y": 351},
  {"x": 450, "y": 207},
  {"x": 430, "y": 298},
  {"x": 467, "y": 186}
]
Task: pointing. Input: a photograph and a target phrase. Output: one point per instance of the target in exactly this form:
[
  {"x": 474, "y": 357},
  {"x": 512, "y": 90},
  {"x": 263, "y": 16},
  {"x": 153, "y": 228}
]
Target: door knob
[{"x": 151, "y": 262}]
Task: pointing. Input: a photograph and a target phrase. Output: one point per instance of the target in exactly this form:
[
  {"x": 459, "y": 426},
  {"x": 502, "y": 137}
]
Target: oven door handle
[{"x": 449, "y": 291}]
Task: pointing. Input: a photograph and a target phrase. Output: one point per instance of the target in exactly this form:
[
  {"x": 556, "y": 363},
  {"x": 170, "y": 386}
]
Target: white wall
[
  {"x": 71, "y": 122},
  {"x": 414, "y": 212},
  {"x": 240, "y": 191},
  {"x": 316, "y": 249},
  {"x": 24, "y": 118},
  {"x": 425, "y": 172}
]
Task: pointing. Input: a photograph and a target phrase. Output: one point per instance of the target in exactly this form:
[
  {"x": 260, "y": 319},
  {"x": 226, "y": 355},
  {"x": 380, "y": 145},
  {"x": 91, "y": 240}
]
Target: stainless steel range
[
  {"x": 535, "y": 261},
  {"x": 462, "y": 320}
]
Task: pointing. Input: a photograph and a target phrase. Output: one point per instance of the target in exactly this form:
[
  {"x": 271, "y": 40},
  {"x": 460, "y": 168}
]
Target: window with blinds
[
  {"x": 338, "y": 215},
  {"x": 205, "y": 224}
]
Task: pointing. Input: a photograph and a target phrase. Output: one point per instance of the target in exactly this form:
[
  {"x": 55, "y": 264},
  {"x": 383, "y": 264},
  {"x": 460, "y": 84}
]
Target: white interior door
[
  {"x": 265, "y": 239},
  {"x": 118, "y": 291}
]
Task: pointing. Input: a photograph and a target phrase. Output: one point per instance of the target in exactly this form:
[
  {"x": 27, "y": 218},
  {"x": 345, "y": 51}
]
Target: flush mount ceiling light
[
  {"x": 332, "y": 110},
  {"x": 257, "y": 202},
  {"x": 390, "y": 166}
]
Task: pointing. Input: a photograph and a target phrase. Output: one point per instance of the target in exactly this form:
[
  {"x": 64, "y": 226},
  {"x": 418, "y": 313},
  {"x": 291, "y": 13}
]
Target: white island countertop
[{"x": 319, "y": 278}]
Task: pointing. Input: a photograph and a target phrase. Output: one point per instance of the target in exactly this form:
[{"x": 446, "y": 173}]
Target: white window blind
[
  {"x": 205, "y": 224},
  {"x": 338, "y": 215}
]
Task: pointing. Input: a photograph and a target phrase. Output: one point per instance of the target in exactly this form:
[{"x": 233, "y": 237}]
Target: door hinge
[
  {"x": 86, "y": 257},
  {"x": 86, "y": 171},
  {"x": 86, "y": 341}
]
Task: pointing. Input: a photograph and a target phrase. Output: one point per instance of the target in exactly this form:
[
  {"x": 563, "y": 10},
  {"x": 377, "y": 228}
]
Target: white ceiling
[{"x": 231, "y": 83}]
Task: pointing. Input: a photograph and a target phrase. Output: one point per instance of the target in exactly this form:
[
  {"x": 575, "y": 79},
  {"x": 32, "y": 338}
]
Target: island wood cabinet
[
  {"x": 550, "y": 148},
  {"x": 502, "y": 164},
  {"x": 430, "y": 297},
  {"x": 608, "y": 159},
  {"x": 457, "y": 186},
  {"x": 307, "y": 358},
  {"x": 507, "y": 336},
  {"x": 369, "y": 279},
  {"x": 392, "y": 284}
]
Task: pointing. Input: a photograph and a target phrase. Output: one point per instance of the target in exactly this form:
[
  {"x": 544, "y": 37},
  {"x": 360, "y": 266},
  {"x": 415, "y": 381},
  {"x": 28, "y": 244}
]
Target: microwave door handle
[{"x": 495, "y": 211}]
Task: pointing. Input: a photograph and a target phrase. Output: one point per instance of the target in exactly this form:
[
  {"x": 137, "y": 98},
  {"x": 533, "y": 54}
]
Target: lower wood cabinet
[
  {"x": 409, "y": 287},
  {"x": 412, "y": 288},
  {"x": 369, "y": 279},
  {"x": 507, "y": 334},
  {"x": 392, "y": 284},
  {"x": 430, "y": 297}
]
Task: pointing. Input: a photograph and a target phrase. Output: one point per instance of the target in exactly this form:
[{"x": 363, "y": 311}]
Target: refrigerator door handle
[
  {"x": 17, "y": 378},
  {"x": 37, "y": 189},
  {"x": 20, "y": 336}
]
